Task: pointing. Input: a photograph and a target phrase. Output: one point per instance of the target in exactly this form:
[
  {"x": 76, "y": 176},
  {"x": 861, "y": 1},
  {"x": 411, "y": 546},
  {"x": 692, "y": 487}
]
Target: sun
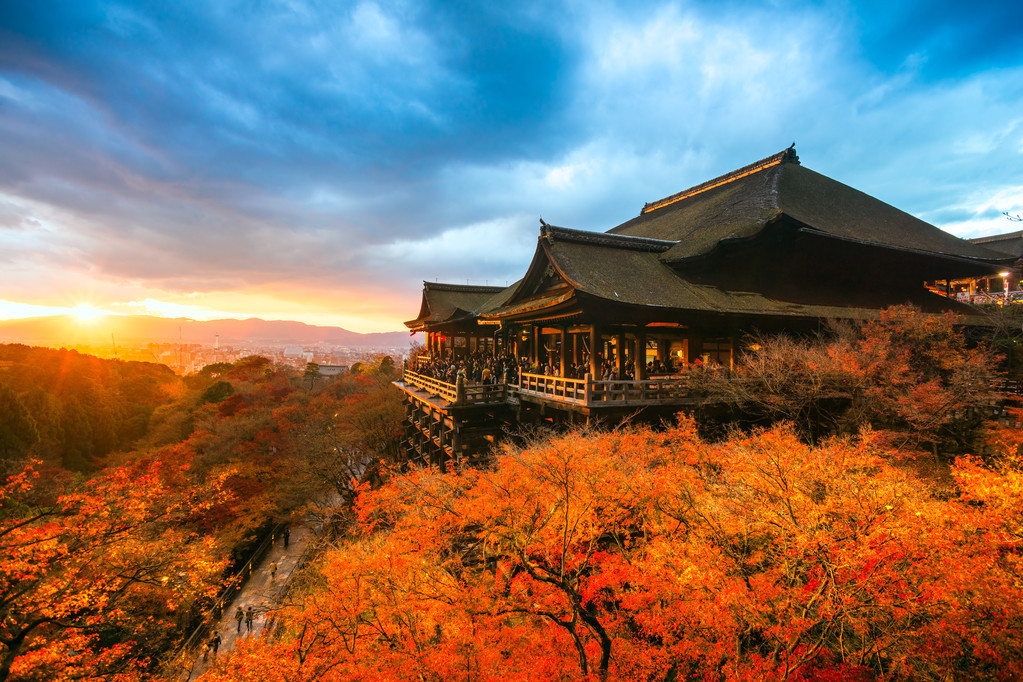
[{"x": 86, "y": 312}]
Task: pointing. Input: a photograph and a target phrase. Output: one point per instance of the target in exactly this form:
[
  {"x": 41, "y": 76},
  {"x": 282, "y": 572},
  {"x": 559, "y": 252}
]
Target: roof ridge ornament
[
  {"x": 787, "y": 156},
  {"x": 568, "y": 234}
]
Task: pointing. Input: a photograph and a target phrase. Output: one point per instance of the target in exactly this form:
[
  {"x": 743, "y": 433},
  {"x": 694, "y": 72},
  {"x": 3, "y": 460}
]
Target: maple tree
[
  {"x": 103, "y": 574},
  {"x": 96, "y": 579},
  {"x": 908, "y": 372},
  {"x": 655, "y": 555}
]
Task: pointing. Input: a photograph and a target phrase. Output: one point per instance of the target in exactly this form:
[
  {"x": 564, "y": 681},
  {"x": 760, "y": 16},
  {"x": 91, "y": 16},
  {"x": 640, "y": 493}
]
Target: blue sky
[{"x": 317, "y": 160}]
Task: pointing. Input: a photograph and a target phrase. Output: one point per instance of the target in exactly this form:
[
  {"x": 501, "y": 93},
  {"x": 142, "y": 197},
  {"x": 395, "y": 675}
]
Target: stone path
[{"x": 259, "y": 592}]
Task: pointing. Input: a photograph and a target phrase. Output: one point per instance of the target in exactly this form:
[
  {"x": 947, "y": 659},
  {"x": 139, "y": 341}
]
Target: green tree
[
  {"x": 312, "y": 372},
  {"x": 217, "y": 392},
  {"x": 17, "y": 428}
]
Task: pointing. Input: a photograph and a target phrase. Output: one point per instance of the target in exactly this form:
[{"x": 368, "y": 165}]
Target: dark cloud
[
  {"x": 942, "y": 38},
  {"x": 210, "y": 146}
]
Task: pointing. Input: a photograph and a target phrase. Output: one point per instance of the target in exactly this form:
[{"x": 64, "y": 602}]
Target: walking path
[{"x": 259, "y": 592}]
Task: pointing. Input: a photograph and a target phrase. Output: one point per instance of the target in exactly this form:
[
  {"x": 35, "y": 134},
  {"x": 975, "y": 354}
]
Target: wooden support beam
[
  {"x": 640, "y": 358},
  {"x": 535, "y": 358},
  {"x": 620, "y": 360},
  {"x": 564, "y": 353}
]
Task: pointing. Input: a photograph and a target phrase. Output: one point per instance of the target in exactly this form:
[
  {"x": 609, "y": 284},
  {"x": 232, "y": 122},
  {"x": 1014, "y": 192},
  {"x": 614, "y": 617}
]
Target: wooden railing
[
  {"x": 567, "y": 390},
  {"x": 649, "y": 391},
  {"x": 441, "y": 389},
  {"x": 472, "y": 394},
  {"x": 477, "y": 394},
  {"x": 592, "y": 393},
  {"x": 583, "y": 392}
]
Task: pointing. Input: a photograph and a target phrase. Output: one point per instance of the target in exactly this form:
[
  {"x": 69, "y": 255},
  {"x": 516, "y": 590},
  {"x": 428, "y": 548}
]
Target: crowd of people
[
  {"x": 487, "y": 368},
  {"x": 477, "y": 368}
]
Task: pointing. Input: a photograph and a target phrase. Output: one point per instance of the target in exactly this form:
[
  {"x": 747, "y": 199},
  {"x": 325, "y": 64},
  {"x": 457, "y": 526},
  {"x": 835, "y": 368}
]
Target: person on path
[
  {"x": 273, "y": 570},
  {"x": 239, "y": 614},
  {"x": 287, "y": 537},
  {"x": 215, "y": 644},
  {"x": 249, "y": 617}
]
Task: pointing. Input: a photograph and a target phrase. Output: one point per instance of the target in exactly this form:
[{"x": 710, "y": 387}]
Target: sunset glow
[
  {"x": 293, "y": 188},
  {"x": 86, "y": 312}
]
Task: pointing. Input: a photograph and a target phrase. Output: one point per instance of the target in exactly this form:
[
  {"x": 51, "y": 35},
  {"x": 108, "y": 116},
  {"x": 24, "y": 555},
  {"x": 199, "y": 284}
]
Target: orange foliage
[
  {"x": 640, "y": 555},
  {"x": 93, "y": 580},
  {"x": 911, "y": 373}
]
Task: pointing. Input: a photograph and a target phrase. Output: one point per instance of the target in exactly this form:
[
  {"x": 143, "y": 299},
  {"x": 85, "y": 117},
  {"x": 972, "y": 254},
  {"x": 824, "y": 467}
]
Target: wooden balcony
[
  {"x": 590, "y": 393},
  {"x": 466, "y": 395},
  {"x": 584, "y": 393}
]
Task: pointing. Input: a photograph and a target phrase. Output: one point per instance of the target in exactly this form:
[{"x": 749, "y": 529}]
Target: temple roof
[
  {"x": 740, "y": 204},
  {"x": 443, "y": 303},
  {"x": 630, "y": 271},
  {"x": 770, "y": 239},
  {"x": 1010, "y": 243}
]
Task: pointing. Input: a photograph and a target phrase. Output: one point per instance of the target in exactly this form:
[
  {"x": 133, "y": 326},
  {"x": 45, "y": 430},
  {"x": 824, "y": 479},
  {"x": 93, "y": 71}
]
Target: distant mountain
[{"x": 68, "y": 330}]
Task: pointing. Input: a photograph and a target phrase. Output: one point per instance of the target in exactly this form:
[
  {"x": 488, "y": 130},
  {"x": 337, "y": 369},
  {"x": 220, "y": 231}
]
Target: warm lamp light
[{"x": 1003, "y": 274}]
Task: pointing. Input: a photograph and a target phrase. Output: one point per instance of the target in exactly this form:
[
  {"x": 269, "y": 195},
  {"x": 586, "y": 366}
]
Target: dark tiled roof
[
  {"x": 627, "y": 242},
  {"x": 640, "y": 278},
  {"x": 643, "y": 262},
  {"x": 739, "y": 205},
  {"x": 443, "y": 302},
  {"x": 1010, "y": 243},
  {"x": 498, "y": 299}
]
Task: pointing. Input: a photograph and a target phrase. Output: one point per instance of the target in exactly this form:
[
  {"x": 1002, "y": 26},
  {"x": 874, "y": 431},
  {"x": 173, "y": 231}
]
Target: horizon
[
  {"x": 89, "y": 315},
  {"x": 295, "y": 162}
]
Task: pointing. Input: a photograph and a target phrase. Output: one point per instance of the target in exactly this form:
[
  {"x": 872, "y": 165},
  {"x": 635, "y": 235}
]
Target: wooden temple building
[{"x": 771, "y": 247}]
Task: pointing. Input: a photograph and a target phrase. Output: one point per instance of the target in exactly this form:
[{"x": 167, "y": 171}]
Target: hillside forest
[
  {"x": 132, "y": 493},
  {"x": 858, "y": 516}
]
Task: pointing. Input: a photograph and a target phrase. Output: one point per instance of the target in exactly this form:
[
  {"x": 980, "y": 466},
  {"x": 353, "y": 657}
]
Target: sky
[{"x": 316, "y": 160}]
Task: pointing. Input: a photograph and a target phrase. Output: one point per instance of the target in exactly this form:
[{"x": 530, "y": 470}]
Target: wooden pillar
[
  {"x": 594, "y": 342},
  {"x": 620, "y": 360},
  {"x": 535, "y": 359},
  {"x": 575, "y": 350},
  {"x": 640, "y": 360},
  {"x": 695, "y": 349},
  {"x": 564, "y": 352}
]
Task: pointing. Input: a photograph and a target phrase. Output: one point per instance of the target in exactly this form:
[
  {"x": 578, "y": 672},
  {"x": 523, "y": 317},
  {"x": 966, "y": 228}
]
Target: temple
[{"x": 609, "y": 322}]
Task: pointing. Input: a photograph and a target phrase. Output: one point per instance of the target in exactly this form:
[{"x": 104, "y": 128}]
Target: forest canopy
[
  {"x": 108, "y": 567},
  {"x": 643, "y": 555}
]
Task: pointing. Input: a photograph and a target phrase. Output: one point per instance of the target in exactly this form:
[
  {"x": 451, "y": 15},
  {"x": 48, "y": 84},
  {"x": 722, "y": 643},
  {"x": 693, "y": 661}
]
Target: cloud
[
  {"x": 294, "y": 149},
  {"x": 483, "y": 251}
]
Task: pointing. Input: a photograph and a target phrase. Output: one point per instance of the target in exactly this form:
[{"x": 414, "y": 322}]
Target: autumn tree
[
  {"x": 908, "y": 372},
  {"x": 642, "y": 555},
  {"x": 95, "y": 580}
]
